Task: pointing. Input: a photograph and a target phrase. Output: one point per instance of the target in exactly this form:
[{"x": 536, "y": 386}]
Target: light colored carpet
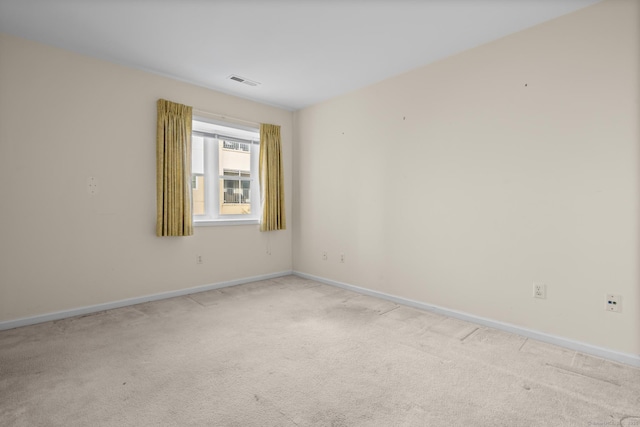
[{"x": 294, "y": 352}]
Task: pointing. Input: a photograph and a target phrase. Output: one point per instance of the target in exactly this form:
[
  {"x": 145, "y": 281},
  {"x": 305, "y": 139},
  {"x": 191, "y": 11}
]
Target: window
[{"x": 224, "y": 180}]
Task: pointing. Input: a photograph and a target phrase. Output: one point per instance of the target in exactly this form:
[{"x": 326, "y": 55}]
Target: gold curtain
[
  {"x": 173, "y": 155},
  {"x": 271, "y": 179}
]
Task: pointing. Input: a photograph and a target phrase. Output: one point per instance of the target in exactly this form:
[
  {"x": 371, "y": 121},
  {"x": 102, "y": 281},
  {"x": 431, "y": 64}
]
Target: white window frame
[{"x": 213, "y": 132}]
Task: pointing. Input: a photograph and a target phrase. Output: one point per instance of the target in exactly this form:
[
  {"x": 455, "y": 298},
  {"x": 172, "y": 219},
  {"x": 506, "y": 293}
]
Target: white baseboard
[
  {"x": 626, "y": 358},
  {"x": 26, "y": 321}
]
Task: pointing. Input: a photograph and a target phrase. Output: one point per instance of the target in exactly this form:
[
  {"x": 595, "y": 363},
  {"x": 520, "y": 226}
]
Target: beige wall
[
  {"x": 66, "y": 117},
  {"x": 524, "y": 158}
]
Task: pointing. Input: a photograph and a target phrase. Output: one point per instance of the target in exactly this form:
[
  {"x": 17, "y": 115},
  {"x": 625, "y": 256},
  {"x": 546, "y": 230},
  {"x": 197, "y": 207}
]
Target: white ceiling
[{"x": 301, "y": 51}]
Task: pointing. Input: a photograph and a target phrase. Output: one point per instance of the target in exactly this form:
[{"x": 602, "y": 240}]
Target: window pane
[
  {"x": 222, "y": 180},
  {"x": 197, "y": 188},
  {"x": 197, "y": 155},
  {"x": 235, "y": 163},
  {"x": 235, "y": 197}
]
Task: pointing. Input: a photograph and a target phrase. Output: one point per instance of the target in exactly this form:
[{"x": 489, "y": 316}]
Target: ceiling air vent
[{"x": 243, "y": 80}]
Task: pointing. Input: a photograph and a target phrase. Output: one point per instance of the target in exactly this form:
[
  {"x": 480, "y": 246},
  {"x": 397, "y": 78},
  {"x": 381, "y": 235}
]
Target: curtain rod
[{"x": 224, "y": 117}]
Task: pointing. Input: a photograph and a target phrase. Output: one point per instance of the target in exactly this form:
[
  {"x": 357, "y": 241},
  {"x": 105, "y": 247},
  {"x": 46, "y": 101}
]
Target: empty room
[{"x": 318, "y": 213}]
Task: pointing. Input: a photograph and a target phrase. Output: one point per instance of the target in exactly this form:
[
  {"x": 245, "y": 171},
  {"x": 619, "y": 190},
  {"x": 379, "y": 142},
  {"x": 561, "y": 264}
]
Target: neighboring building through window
[{"x": 224, "y": 173}]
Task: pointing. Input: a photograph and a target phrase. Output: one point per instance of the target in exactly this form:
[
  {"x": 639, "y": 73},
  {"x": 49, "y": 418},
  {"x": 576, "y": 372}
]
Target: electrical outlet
[
  {"x": 613, "y": 303},
  {"x": 198, "y": 259},
  {"x": 342, "y": 258},
  {"x": 539, "y": 290},
  {"x": 324, "y": 256}
]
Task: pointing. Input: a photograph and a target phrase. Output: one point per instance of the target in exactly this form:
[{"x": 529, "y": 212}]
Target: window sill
[{"x": 219, "y": 222}]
